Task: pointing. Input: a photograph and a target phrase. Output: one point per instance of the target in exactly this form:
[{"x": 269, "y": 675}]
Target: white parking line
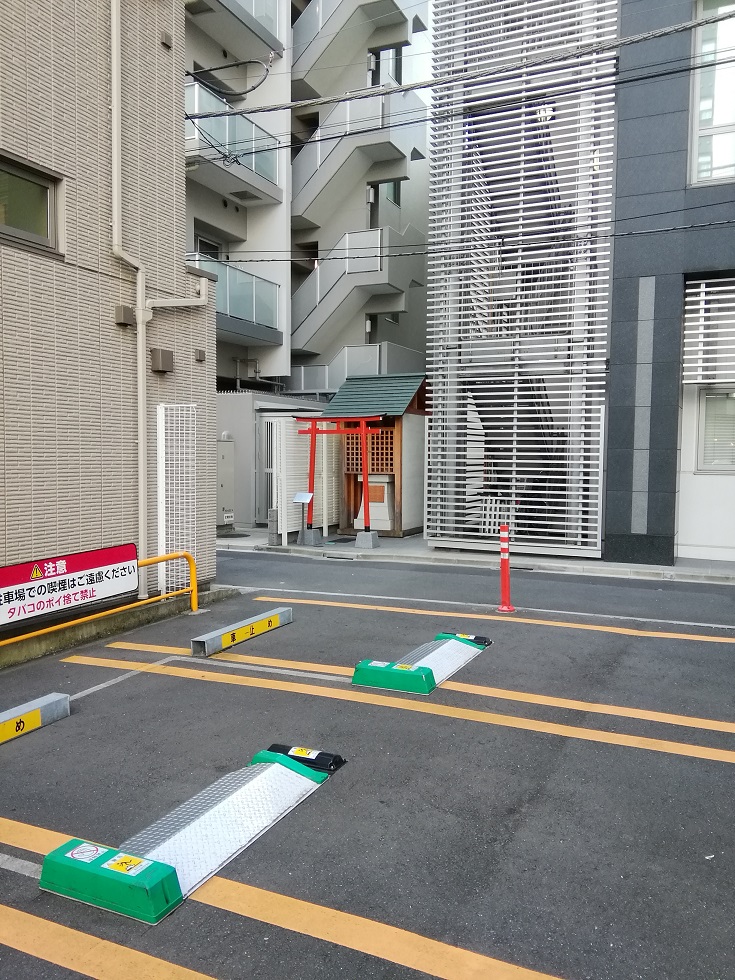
[
  {"x": 309, "y": 674},
  {"x": 27, "y": 868},
  {"x": 115, "y": 680}
]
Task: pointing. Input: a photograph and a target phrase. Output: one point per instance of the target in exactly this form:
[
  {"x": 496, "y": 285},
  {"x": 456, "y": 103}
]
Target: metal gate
[{"x": 284, "y": 458}]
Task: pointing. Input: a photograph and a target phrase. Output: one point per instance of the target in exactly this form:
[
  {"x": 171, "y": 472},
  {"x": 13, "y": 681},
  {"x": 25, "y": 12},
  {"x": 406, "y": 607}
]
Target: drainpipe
[
  {"x": 143, "y": 308},
  {"x": 142, "y": 314}
]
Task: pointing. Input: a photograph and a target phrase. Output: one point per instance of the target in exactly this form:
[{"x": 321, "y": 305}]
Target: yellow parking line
[
  {"x": 29, "y": 837},
  {"x": 614, "y": 710},
  {"x": 441, "y": 710},
  {"x": 464, "y": 616},
  {"x": 365, "y": 935},
  {"x": 591, "y": 707},
  {"x": 85, "y": 954},
  {"x": 152, "y": 648},
  {"x": 319, "y": 921}
]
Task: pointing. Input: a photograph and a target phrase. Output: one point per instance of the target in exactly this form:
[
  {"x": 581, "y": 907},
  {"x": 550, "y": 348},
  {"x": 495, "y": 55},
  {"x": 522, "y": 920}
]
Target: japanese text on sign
[{"x": 63, "y": 584}]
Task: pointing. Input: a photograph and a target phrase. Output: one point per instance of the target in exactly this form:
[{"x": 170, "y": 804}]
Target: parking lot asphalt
[{"x": 559, "y": 808}]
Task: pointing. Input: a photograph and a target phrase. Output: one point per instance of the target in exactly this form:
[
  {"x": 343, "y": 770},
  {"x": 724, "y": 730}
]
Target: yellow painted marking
[
  {"x": 232, "y": 637},
  {"x": 407, "y": 610},
  {"x": 321, "y": 922},
  {"x": 685, "y": 721},
  {"x": 28, "y": 837},
  {"x": 151, "y": 648},
  {"x": 442, "y": 710},
  {"x": 240, "y": 658},
  {"x": 590, "y": 707},
  {"x": 15, "y": 727},
  {"x": 354, "y": 932},
  {"x": 85, "y": 954},
  {"x": 274, "y": 662}
]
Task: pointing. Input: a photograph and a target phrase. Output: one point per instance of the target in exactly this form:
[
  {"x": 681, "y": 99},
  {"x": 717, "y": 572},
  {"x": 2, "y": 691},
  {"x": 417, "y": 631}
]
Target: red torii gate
[{"x": 340, "y": 421}]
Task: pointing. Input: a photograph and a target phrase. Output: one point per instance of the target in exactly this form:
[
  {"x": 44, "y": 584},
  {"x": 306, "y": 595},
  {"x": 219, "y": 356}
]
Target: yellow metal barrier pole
[
  {"x": 192, "y": 572},
  {"x": 191, "y": 591}
]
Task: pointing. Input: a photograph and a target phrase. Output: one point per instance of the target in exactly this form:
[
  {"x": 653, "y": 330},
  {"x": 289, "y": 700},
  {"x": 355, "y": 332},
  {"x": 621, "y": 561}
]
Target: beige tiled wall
[{"x": 68, "y": 455}]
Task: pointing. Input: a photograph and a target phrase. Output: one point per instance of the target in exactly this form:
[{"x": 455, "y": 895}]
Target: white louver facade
[
  {"x": 519, "y": 272},
  {"x": 709, "y": 332}
]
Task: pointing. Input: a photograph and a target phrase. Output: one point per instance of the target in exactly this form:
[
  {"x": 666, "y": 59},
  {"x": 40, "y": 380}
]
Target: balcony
[
  {"x": 354, "y": 138},
  {"x": 230, "y": 154},
  {"x": 247, "y": 306},
  {"x": 332, "y": 32},
  {"x": 361, "y": 265},
  {"x": 246, "y": 28}
]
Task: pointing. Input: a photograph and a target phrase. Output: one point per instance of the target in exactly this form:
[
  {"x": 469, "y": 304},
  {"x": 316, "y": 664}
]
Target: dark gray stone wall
[{"x": 652, "y": 255}]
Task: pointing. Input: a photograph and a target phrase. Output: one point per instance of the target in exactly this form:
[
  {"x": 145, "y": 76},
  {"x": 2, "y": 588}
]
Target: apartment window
[
  {"x": 714, "y": 105},
  {"x": 716, "y": 430},
  {"x": 208, "y": 247},
  {"x": 387, "y": 66},
  {"x": 27, "y": 205},
  {"x": 393, "y": 192}
]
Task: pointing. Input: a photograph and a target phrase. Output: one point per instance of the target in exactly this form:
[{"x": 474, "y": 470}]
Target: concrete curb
[
  {"x": 654, "y": 573},
  {"x": 74, "y": 635},
  {"x": 33, "y": 715}
]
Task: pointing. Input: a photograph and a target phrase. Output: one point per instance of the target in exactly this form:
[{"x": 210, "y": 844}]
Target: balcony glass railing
[
  {"x": 236, "y": 136},
  {"x": 264, "y": 11},
  {"x": 240, "y": 293}
]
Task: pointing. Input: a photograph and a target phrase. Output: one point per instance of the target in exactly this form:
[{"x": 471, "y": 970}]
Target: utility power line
[
  {"x": 439, "y": 114},
  {"x": 484, "y": 74},
  {"x": 462, "y": 248}
]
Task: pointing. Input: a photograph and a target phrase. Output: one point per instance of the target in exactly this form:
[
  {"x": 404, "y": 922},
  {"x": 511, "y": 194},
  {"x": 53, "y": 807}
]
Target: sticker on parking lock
[
  {"x": 126, "y": 864},
  {"x": 303, "y": 753}
]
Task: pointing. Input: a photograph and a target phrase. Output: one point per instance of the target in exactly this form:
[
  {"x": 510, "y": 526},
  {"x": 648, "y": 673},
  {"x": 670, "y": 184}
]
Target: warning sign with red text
[{"x": 65, "y": 583}]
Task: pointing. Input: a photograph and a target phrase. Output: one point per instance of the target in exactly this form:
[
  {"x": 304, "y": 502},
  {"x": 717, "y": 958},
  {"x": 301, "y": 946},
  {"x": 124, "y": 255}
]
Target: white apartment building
[
  {"x": 313, "y": 217},
  {"x": 107, "y": 344}
]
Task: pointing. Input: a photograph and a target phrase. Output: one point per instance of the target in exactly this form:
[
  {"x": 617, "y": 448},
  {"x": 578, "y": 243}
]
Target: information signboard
[{"x": 66, "y": 583}]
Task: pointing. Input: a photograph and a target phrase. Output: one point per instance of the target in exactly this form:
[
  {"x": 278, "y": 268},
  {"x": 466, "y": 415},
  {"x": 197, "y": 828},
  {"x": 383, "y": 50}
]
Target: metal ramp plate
[
  {"x": 421, "y": 670},
  {"x": 442, "y": 657},
  {"x": 204, "y": 834}
]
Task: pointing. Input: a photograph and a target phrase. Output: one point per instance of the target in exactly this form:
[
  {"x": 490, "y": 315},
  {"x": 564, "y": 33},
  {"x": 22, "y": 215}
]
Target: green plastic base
[
  {"x": 289, "y": 763},
  {"x": 394, "y": 676},
  {"x": 107, "y": 878}
]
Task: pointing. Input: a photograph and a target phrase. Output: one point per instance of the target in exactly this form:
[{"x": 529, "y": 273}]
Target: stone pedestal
[
  {"x": 367, "y": 539},
  {"x": 311, "y": 537}
]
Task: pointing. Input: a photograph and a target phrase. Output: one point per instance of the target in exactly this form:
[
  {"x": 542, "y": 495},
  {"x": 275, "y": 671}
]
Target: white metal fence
[{"x": 177, "y": 490}]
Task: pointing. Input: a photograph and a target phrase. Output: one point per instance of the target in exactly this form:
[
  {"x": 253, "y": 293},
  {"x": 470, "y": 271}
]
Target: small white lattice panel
[
  {"x": 380, "y": 452},
  {"x": 177, "y": 496}
]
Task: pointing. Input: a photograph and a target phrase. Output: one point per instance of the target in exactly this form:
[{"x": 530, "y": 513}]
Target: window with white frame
[
  {"x": 716, "y": 431},
  {"x": 27, "y": 205},
  {"x": 714, "y": 102}
]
